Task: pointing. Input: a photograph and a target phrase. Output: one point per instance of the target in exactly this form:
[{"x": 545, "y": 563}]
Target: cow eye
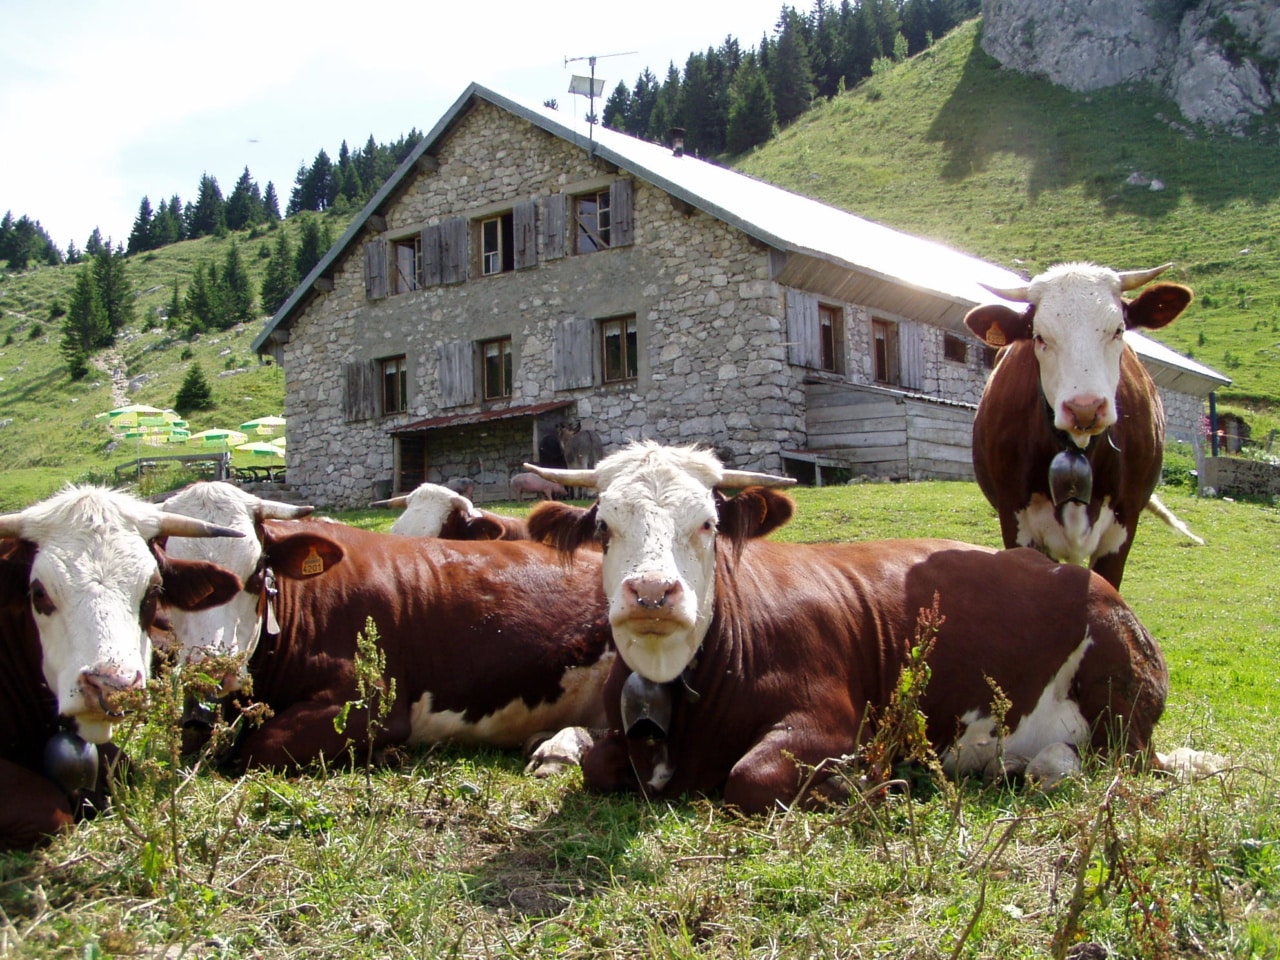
[
  {"x": 150, "y": 602},
  {"x": 41, "y": 600},
  {"x": 1120, "y": 333},
  {"x": 708, "y": 526},
  {"x": 602, "y": 534},
  {"x": 1039, "y": 340}
]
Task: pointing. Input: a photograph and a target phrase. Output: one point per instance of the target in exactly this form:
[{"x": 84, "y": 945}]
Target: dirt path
[{"x": 111, "y": 362}]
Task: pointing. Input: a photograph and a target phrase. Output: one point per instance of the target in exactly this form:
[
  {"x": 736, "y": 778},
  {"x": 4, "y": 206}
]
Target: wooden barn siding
[{"x": 888, "y": 435}]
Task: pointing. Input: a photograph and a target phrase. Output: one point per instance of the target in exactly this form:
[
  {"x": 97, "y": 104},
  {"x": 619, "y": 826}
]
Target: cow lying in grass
[{"x": 745, "y": 664}]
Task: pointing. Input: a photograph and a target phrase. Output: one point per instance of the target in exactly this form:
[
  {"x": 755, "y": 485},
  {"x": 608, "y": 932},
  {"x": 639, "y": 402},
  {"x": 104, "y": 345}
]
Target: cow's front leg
[
  {"x": 607, "y": 767},
  {"x": 302, "y": 734},
  {"x": 33, "y": 807},
  {"x": 787, "y": 768}
]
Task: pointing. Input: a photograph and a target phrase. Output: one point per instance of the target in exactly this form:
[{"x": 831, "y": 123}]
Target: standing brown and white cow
[
  {"x": 491, "y": 642},
  {"x": 80, "y": 579},
  {"x": 1069, "y": 435},
  {"x": 744, "y": 662}
]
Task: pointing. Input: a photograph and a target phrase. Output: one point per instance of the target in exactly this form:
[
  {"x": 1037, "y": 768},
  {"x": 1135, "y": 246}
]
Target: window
[
  {"x": 495, "y": 356},
  {"x": 406, "y": 264},
  {"x": 591, "y": 218},
  {"x": 831, "y": 338},
  {"x": 953, "y": 348},
  {"x": 618, "y": 353},
  {"x": 989, "y": 355},
  {"x": 497, "y": 245},
  {"x": 884, "y": 336},
  {"x": 395, "y": 385}
]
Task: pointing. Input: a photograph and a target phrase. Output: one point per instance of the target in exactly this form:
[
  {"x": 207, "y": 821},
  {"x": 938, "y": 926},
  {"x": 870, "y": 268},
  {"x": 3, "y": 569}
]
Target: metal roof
[{"x": 828, "y": 250}]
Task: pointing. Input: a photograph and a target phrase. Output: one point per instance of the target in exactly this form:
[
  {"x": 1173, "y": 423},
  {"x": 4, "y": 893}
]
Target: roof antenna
[{"x": 590, "y": 88}]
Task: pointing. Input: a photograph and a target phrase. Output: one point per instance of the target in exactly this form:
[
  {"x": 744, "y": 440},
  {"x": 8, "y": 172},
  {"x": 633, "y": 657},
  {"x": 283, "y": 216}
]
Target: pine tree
[
  {"x": 73, "y": 252},
  {"x": 114, "y": 286},
  {"x": 697, "y": 108},
  {"x": 312, "y": 245},
  {"x": 617, "y": 108},
  {"x": 175, "y": 308},
  {"x": 271, "y": 203},
  {"x": 84, "y": 327},
  {"x": 198, "y": 305},
  {"x": 643, "y": 98},
  {"x": 666, "y": 107},
  {"x": 94, "y": 245},
  {"x": 244, "y": 206},
  {"x": 140, "y": 238},
  {"x": 208, "y": 217},
  {"x": 237, "y": 292},
  {"x": 751, "y": 116},
  {"x": 194, "y": 394},
  {"x": 791, "y": 73},
  {"x": 281, "y": 274}
]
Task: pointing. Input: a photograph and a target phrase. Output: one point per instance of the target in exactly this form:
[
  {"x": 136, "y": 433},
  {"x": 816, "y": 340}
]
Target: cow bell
[
  {"x": 646, "y": 708},
  {"x": 1070, "y": 478},
  {"x": 70, "y": 761}
]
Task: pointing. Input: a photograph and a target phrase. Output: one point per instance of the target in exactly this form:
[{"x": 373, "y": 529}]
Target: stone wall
[{"x": 1238, "y": 477}]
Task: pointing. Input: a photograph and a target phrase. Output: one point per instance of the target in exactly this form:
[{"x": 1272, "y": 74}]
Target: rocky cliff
[{"x": 1218, "y": 59}]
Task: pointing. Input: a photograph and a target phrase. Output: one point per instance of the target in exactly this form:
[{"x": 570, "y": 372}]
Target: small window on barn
[
  {"x": 497, "y": 244},
  {"x": 831, "y": 338},
  {"x": 495, "y": 357},
  {"x": 619, "y": 353},
  {"x": 406, "y": 264},
  {"x": 953, "y": 348},
  {"x": 989, "y": 355},
  {"x": 884, "y": 345},
  {"x": 395, "y": 385},
  {"x": 591, "y": 221}
]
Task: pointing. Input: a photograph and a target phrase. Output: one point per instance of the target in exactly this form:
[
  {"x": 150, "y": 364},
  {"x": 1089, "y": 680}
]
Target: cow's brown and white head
[
  {"x": 95, "y": 577},
  {"x": 230, "y": 629},
  {"x": 432, "y": 510},
  {"x": 1076, "y": 319},
  {"x": 658, "y": 516}
]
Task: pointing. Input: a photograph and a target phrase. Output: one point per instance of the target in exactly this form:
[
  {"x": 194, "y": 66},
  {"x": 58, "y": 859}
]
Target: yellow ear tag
[
  {"x": 995, "y": 336},
  {"x": 313, "y": 564}
]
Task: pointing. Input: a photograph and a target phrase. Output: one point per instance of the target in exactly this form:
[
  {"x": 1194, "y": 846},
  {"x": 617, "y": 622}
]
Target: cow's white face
[
  {"x": 1079, "y": 336},
  {"x": 428, "y": 508},
  {"x": 230, "y": 629},
  {"x": 657, "y": 518},
  {"x": 94, "y": 586}
]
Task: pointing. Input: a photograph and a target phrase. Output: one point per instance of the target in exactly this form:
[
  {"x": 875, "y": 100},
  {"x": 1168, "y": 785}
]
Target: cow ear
[
  {"x": 998, "y": 325},
  {"x": 300, "y": 555},
  {"x": 15, "y": 572},
  {"x": 195, "y": 584},
  {"x": 754, "y": 512},
  {"x": 562, "y": 525},
  {"x": 1156, "y": 306}
]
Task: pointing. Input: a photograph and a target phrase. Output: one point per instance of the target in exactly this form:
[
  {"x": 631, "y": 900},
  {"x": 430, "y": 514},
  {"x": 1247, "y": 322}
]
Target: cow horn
[
  {"x": 275, "y": 510},
  {"x": 737, "y": 479},
  {"x": 395, "y": 503},
  {"x": 1133, "y": 279},
  {"x": 176, "y": 525},
  {"x": 1015, "y": 294},
  {"x": 566, "y": 478}
]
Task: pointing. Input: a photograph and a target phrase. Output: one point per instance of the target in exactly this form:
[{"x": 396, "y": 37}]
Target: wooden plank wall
[{"x": 882, "y": 433}]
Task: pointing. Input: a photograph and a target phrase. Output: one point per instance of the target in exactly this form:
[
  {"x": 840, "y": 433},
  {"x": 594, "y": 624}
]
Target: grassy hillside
[
  {"x": 947, "y": 145},
  {"x": 1023, "y": 173},
  {"x": 54, "y": 436}
]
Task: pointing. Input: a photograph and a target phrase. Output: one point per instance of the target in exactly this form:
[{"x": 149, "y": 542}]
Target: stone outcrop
[{"x": 1217, "y": 59}]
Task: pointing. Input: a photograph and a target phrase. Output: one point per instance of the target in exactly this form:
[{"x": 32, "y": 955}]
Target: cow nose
[
  {"x": 104, "y": 683},
  {"x": 1085, "y": 411},
  {"x": 651, "y": 593}
]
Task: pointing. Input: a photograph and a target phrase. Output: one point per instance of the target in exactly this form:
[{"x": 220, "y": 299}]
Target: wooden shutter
[
  {"x": 620, "y": 221},
  {"x": 453, "y": 250},
  {"x": 804, "y": 340},
  {"x": 431, "y": 256},
  {"x": 360, "y": 390},
  {"x": 457, "y": 373},
  {"x": 571, "y": 354},
  {"x": 553, "y": 209},
  {"x": 375, "y": 269},
  {"x": 524, "y": 220},
  {"x": 911, "y": 347}
]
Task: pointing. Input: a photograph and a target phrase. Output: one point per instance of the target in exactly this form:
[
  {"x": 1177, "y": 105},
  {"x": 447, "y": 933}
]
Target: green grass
[{"x": 451, "y": 852}]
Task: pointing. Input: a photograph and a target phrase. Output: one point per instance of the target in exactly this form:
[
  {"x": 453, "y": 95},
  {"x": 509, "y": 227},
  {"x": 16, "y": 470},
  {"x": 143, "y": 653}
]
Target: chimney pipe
[{"x": 677, "y": 141}]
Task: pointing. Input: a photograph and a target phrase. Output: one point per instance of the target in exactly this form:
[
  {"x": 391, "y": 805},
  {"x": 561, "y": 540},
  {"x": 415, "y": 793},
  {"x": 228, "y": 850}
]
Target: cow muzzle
[
  {"x": 1085, "y": 416},
  {"x": 103, "y": 686}
]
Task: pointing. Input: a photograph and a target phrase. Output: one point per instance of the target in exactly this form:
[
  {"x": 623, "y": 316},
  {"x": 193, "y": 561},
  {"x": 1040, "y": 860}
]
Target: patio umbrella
[
  {"x": 261, "y": 448},
  {"x": 266, "y": 426},
  {"x": 219, "y": 437},
  {"x": 129, "y": 415},
  {"x": 278, "y": 442}
]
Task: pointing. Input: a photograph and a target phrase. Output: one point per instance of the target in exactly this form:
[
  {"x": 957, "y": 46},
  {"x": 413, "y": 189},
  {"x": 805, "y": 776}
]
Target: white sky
[{"x": 104, "y": 102}]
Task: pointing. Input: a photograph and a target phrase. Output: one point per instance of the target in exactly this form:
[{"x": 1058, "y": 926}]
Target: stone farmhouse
[{"x": 522, "y": 269}]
